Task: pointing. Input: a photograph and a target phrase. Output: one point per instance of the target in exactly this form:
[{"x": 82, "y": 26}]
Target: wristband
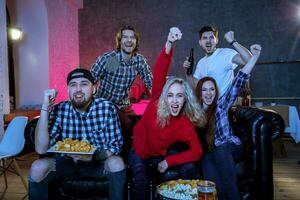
[
  {"x": 233, "y": 41},
  {"x": 45, "y": 106}
]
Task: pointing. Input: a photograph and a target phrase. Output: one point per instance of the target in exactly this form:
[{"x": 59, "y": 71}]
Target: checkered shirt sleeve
[
  {"x": 144, "y": 71},
  {"x": 98, "y": 68},
  {"x": 223, "y": 131},
  {"x": 233, "y": 91}
]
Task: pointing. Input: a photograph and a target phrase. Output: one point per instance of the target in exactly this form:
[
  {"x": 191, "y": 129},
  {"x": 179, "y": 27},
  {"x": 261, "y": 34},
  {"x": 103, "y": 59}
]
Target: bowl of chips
[{"x": 73, "y": 146}]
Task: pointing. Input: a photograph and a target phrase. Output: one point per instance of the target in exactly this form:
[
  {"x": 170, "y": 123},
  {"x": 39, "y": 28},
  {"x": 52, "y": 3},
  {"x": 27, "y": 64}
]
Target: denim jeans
[
  {"x": 219, "y": 166},
  {"x": 140, "y": 172},
  {"x": 66, "y": 169}
]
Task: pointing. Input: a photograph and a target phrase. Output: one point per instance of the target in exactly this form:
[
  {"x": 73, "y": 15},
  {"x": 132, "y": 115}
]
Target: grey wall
[{"x": 275, "y": 24}]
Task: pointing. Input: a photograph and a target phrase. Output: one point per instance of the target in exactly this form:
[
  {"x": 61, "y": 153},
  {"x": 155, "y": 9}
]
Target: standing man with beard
[
  {"x": 218, "y": 63},
  {"x": 116, "y": 71},
  {"x": 81, "y": 118}
]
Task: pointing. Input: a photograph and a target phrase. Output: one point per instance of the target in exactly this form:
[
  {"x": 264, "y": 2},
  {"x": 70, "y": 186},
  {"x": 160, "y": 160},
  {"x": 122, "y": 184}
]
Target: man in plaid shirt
[
  {"x": 82, "y": 118},
  {"x": 116, "y": 71}
]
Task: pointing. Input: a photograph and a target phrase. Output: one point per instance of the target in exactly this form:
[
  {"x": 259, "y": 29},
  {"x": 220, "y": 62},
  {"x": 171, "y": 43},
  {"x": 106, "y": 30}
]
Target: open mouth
[
  {"x": 78, "y": 96},
  {"x": 208, "y": 47},
  {"x": 128, "y": 45},
  {"x": 208, "y": 99},
  {"x": 174, "y": 108}
]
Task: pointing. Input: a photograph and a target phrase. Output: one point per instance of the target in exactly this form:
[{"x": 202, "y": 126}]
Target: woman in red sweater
[{"x": 170, "y": 117}]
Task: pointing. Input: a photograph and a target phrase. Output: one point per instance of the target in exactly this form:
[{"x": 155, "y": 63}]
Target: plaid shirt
[
  {"x": 223, "y": 130},
  {"x": 116, "y": 76},
  {"x": 99, "y": 124}
]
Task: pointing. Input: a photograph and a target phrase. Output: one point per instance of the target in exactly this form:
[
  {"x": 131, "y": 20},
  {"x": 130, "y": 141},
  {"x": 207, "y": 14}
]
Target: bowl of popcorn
[{"x": 178, "y": 190}]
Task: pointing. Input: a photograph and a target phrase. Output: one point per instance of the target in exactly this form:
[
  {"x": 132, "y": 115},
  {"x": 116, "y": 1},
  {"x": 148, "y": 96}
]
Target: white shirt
[{"x": 219, "y": 66}]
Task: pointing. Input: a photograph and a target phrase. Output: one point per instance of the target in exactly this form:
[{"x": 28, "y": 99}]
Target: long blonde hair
[{"x": 191, "y": 108}]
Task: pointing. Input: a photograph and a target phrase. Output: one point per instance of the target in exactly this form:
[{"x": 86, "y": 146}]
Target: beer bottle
[{"x": 189, "y": 70}]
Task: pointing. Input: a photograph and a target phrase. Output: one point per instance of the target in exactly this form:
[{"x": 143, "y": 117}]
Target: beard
[{"x": 81, "y": 104}]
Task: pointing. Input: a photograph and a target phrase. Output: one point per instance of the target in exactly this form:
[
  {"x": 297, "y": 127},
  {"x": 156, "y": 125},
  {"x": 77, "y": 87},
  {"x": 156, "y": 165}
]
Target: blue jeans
[
  {"x": 67, "y": 169},
  {"x": 140, "y": 173},
  {"x": 219, "y": 166}
]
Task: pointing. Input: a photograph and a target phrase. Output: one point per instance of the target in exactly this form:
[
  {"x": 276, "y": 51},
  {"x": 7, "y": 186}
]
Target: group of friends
[{"x": 192, "y": 111}]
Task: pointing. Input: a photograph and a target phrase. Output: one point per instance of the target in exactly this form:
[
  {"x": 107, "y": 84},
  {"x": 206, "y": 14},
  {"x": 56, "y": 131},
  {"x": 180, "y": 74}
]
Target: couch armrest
[
  {"x": 249, "y": 118},
  {"x": 256, "y": 128}
]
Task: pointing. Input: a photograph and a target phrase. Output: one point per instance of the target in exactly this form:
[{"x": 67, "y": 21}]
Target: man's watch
[{"x": 233, "y": 41}]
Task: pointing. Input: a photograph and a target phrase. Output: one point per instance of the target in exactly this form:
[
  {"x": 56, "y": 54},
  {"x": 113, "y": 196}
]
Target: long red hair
[{"x": 209, "y": 129}]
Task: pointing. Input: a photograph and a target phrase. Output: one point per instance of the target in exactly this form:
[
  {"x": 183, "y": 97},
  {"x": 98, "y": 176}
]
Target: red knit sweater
[{"x": 152, "y": 140}]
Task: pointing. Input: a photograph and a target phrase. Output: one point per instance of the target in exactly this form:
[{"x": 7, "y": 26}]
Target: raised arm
[
  {"x": 174, "y": 35},
  {"x": 163, "y": 62},
  {"x": 243, "y": 55},
  {"x": 41, "y": 131},
  {"x": 241, "y": 78},
  {"x": 255, "y": 50}
]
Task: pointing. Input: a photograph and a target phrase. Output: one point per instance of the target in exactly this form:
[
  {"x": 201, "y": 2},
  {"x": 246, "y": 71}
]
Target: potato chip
[{"x": 73, "y": 145}]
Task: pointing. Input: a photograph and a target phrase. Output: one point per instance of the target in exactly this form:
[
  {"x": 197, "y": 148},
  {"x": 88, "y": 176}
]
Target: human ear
[
  {"x": 199, "y": 41},
  {"x": 94, "y": 89}
]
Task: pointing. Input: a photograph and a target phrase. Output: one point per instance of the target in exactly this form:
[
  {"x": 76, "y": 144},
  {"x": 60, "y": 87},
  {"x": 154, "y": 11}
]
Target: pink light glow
[
  {"x": 139, "y": 108},
  {"x": 63, "y": 45}
]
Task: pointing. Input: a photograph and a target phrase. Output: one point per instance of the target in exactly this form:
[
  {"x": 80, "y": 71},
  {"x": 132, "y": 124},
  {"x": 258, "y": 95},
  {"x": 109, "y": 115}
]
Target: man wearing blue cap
[{"x": 83, "y": 118}]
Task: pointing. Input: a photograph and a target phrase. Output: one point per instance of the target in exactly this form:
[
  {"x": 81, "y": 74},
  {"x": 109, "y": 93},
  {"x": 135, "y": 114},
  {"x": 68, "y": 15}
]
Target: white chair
[{"x": 11, "y": 145}]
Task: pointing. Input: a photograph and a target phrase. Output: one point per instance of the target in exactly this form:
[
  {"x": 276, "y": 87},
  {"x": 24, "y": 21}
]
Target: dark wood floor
[
  {"x": 286, "y": 170},
  {"x": 286, "y": 173}
]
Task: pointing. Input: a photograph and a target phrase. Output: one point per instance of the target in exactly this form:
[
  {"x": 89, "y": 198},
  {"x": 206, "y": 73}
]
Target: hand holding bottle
[{"x": 189, "y": 69}]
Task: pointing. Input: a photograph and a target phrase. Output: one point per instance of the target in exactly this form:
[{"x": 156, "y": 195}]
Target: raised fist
[
  {"x": 174, "y": 34},
  {"x": 49, "y": 96},
  {"x": 255, "y": 49},
  {"x": 229, "y": 36}
]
